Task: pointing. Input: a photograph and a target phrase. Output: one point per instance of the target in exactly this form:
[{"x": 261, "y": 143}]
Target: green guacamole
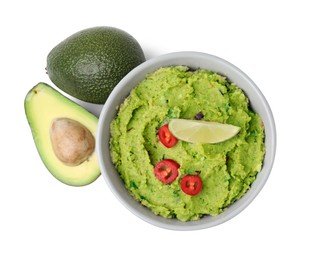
[{"x": 227, "y": 169}]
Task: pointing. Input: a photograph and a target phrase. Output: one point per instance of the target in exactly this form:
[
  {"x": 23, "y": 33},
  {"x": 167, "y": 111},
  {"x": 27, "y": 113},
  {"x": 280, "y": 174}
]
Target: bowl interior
[{"x": 193, "y": 60}]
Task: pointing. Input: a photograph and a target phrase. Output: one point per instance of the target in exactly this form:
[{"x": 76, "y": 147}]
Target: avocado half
[{"x": 43, "y": 106}]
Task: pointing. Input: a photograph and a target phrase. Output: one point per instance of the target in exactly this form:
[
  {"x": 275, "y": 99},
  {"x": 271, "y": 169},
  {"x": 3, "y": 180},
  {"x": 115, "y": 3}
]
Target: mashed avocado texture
[{"x": 227, "y": 169}]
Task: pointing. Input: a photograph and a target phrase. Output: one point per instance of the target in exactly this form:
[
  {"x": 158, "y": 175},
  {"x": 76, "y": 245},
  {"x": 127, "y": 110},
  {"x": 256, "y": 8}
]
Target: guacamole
[{"x": 227, "y": 169}]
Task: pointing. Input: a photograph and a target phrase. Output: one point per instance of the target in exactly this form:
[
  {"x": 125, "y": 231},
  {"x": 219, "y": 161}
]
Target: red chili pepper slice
[
  {"x": 166, "y": 170},
  {"x": 191, "y": 184},
  {"x": 166, "y": 137}
]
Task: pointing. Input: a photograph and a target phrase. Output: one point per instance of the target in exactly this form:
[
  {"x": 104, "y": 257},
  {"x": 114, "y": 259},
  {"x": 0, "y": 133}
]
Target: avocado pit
[{"x": 71, "y": 141}]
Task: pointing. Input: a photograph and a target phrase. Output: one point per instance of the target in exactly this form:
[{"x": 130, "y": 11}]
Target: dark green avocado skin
[{"x": 90, "y": 63}]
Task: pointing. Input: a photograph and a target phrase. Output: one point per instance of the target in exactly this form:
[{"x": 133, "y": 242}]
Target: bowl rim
[{"x": 122, "y": 90}]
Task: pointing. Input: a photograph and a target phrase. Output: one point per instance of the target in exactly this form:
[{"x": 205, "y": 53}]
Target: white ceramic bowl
[{"x": 193, "y": 60}]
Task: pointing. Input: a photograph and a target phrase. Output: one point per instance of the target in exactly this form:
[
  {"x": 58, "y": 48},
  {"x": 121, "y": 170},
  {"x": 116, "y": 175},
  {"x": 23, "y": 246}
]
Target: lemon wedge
[{"x": 195, "y": 131}]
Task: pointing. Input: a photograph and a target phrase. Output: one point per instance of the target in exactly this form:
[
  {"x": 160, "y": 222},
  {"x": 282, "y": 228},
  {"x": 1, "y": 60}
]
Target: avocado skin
[
  {"x": 90, "y": 63},
  {"x": 43, "y": 104}
]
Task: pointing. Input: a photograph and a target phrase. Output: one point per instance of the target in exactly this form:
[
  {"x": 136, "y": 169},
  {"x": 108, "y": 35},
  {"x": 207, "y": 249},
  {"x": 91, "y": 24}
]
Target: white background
[{"x": 41, "y": 218}]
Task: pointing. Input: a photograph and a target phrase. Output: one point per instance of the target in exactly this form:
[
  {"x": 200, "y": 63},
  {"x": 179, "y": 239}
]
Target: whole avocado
[{"x": 89, "y": 64}]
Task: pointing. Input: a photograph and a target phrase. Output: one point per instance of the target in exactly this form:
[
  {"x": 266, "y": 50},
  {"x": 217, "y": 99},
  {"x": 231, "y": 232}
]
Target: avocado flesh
[{"x": 43, "y": 105}]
